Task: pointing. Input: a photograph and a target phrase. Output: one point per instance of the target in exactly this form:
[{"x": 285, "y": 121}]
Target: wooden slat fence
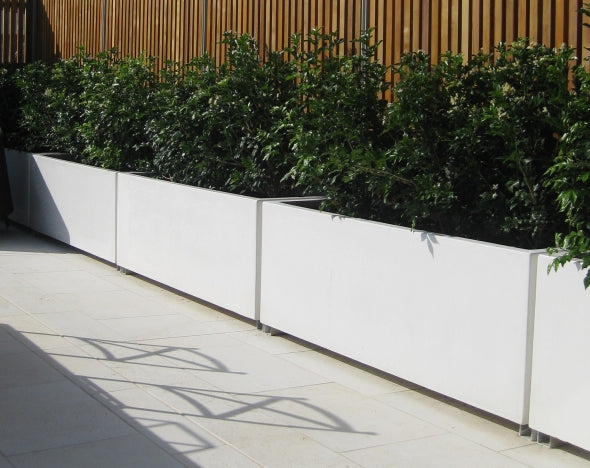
[
  {"x": 13, "y": 31},
  {"x": 182, "y": 29}
]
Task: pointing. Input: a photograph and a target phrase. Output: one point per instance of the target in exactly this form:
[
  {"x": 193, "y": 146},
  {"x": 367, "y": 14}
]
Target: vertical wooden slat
[{"x": 172, "y": 29}]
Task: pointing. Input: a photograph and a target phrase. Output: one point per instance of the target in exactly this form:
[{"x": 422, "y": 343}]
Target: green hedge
[{"x": 493, "y": 148}]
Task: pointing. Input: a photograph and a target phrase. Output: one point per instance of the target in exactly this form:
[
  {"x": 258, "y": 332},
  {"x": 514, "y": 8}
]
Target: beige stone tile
[
  {"x": 541, "y": 456},
  {"x": 51, "y": 415},
  {"x": 157, "y": 326},
  {"x": 35, "y": 334},
  {"x": 78, "y": 326},
  {"x": 459, "y": 420},
  {"x": 173, "y": 431},
  {"x": 89, "y": 373},
  {"x": 441, "y": 451},
  {"x": 342, "y": 419},
  {"x": 248, "y": 369},
  {"x": 272, "y": 444},
  {"x": 271, "y": 344},
  {"x": 69, "y": 281},
  {"x": 111, "y": 304},
  {"x": 8, "y": 309},
  {"x": 121, "y": 452},
  {"x": 25, "y": 368},
  {"x": 344, "y": 373},
  {"x": 222, "y": 456}
]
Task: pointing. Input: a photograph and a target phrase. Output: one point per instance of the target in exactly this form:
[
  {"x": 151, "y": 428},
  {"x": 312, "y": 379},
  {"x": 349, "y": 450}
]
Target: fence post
[
  {"x": 364, "y": 15},
  {"x": 103, "y": 32},
  {"x": 204, "y": 28}
]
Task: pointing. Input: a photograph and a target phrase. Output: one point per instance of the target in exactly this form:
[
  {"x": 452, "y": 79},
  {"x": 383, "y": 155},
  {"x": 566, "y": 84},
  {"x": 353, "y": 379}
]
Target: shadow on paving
[
  {"x": 49, "y": 410},
  {"x": 13, "y": 240}
]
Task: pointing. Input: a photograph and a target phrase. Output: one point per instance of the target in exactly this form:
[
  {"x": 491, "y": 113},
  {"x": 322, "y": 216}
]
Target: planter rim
[
  {"x": 409, "y": 229},
  {"x": 249, "y": 197}
]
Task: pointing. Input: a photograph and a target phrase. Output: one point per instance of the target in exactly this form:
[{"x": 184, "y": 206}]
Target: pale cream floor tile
[
  {"x": 272, "y": 444},
  {"x": 78, "y": 326},
  {"x": 51, "y": 415},
  {"x": 541, "y": 456},
  {"x": 35, "y": 263},
  {"x": 34, "y": 301},
  {"x": 223, "y": 456},
  {"x": 122, "y": 452},
  {"x": 271, "y": 344},
  {"x": 9, "y": 309},
  {"x": 89, "y": 373},
  {"x": 459, "y": 420},
  {"x": 253, "y": 370},
  {"x": 25, "y": 368},
  {"x": 136, "y": 284},
  {"x": 69, "y": 282},
  {"x": 344, "y": 373},
  {"x": 35, "y": 334},
  {"x": 342, "y": 419},
  {"x": 161, "y": 423},
  {"x": 441, "y": 451},
  {"x": 111, "y": 304},
  {"x": 8, "y": 343},
  {"x": 80, "y": 261}
]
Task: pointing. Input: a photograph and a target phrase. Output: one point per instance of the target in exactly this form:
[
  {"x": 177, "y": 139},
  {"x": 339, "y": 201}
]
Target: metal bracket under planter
[{"x": 271, "y": 331}]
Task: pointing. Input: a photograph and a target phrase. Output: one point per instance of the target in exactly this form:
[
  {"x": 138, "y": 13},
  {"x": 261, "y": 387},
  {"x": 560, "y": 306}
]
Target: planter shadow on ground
[{"x": 112, "y": 410}]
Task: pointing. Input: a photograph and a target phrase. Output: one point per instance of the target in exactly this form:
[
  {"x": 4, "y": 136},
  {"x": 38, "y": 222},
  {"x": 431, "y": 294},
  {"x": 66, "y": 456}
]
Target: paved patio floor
[{"x": 101, "y": 369}]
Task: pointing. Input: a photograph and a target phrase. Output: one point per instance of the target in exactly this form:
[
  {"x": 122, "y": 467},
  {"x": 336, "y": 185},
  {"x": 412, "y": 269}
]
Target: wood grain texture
[{"x": 173, "y": 29}]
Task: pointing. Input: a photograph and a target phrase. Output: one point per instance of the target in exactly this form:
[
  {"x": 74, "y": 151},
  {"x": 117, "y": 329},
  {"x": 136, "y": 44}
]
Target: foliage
[
  {"x": 9, "y": 103},
  {"x": 93, "y": 108},
  {"x": 336, "y": 121},
  {"x": 569, "y": 177},
  {"x": 217, "y": 128},
  {"x": 469, "y": 145},
  {"x": 116, "y": 102}
]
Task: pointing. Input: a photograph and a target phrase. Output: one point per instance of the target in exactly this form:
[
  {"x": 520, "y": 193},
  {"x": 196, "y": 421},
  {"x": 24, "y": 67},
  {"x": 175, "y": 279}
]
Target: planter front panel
[
  {"x": 17, "y": 163},
  {"x": 446, "y": 313},
  {"x": 75, "y": 204},
  {"x": 561, "y": 355},
  {"x": 198, "y": 241}
]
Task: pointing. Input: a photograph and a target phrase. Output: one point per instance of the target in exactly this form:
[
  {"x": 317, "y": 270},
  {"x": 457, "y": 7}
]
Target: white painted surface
[
  {"x": 74, "y": 203},
  {"x": 198, "y": 241},
  {"x": 446, "y": 313},
  {"x": 560, "y": 388},
  {"x": 17, "y": 163}
]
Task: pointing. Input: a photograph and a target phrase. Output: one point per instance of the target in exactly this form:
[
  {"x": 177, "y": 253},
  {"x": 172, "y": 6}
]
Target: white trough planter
[
  {"x": 202, "y": 242},
  {"x": 561, "y": 355},
  {"x": 450, "y": 314},
  {"x": 73, "y": 203}
]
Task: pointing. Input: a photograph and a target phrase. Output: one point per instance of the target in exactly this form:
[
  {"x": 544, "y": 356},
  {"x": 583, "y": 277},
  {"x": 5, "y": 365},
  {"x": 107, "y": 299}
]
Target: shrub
[
  {"x": 463, "y": 150},
  {"x": 116, "y": 102},
  {"x": 10, "y": 105},
  {"x": 336, "y": 121},
  {"x": 569, "y": 177},
  {"x": 218, "y": 128},
  {"x": 92, "y": 108}
]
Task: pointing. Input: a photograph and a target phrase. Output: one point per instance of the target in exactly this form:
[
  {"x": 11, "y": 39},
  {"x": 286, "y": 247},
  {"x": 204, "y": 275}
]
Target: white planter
[
  {"x": 17, "y": 163},
  {"x": 561, "y": 365},
  {"x": 450, "y": 314},
  {"x": 73, "y": 203},
  {"x": 199, "y": 241}
]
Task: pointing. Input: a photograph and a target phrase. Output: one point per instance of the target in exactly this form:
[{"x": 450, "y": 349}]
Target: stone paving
[{"x": 101, "y": 369}]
